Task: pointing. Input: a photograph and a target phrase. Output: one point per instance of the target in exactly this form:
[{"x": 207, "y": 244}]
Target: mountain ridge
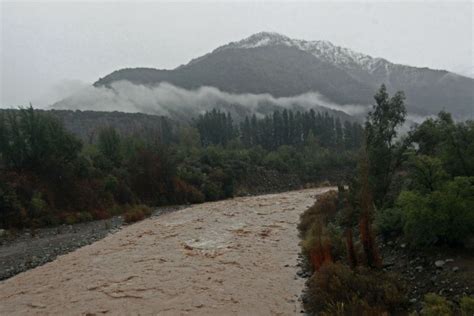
[{"x": 273, "y": 63}]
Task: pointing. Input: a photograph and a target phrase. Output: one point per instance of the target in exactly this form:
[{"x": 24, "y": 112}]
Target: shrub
[
  {"x": 444, "y": 216},
  {"x": 185, "y": 192},
  {"x": 435, "y": 305},
  {"x": 109, "y": 144},
  {"x": 353, "y": 292},
  {"x": 100, "y": 214},
  {"x": 111, "y": 184},
  {"x": 212, "y": 191},
  {"x": 318, "y": 236},
  {"x": 123, "y": 194},
  {"x": 324, "y": 208},
  {"x": 70, "y": 219},
  {"x": 427, "y": 173},
  {"x": 274, "y": 160},
  {"x": 467, "y": 306},
  {"x": 117, "y": 209},
  {"x": 389, "y": 221},
  {"x": 317, "y": 246},
  {"x": 137, "y": 213},
  {"x": 336, "y": 236},
  {"x": 84, "y": 217}
]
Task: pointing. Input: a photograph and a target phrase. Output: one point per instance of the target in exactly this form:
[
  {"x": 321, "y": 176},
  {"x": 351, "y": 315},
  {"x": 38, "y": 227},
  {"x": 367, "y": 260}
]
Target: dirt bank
[{"x": 230, "y": 257}]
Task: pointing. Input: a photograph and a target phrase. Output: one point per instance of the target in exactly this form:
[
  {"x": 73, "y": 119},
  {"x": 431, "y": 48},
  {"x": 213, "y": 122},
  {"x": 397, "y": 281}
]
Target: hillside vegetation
[
  {"x": 50, "y": 176},
  {"x": 417, "y": 188}
]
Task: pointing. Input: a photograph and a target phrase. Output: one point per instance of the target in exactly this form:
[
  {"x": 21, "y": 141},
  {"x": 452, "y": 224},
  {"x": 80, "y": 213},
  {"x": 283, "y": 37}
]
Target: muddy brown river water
[{"x": 232, "y": 257}]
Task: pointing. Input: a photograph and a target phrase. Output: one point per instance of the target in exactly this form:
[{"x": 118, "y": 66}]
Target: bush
[
  {"x": 389, "y": 221},
  {"x": 319, "y": 236},
  {"x": 435, "y": 305},
  {"x": 111, "y": 184},
  {"x": 137, "y": 213},
  {"x": 71, "y": 219},
  {"x": 100, "y": 214},
  {"x": 324, "y": 208},
  {"x": 317, "y": 246},
  {"x": 467, "y": 306},
  {"x": 444, "y": 216},
  {"x": 336, "y": 289},
  {"x": 186, "y": 193},
  {"x": 336, "y": 236},
  {"x": 212, "y": 191},
  {"x": 84, "y": 217}
]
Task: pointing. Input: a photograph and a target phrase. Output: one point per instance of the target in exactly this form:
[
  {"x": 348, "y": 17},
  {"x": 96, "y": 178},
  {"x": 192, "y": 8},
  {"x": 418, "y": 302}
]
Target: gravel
[{"x": 24, "y": 250}]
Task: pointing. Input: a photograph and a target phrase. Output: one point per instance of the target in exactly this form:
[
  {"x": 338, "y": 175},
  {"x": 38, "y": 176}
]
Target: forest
[{"x": 49, "y": 176}]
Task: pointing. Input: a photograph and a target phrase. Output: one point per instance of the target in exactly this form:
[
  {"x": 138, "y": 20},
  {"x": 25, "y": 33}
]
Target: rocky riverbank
[
  {"x": 27, "y": 249},
  {"x": 448, "y": 272}
]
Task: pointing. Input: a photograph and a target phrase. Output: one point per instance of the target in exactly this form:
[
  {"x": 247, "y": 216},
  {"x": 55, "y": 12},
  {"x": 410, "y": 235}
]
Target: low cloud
[{"x": 169, "y": 100}]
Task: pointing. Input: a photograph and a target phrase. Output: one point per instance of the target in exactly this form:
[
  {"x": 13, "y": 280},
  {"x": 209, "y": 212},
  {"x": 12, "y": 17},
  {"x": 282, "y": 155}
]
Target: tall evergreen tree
[{"x": 384, "y": 152}]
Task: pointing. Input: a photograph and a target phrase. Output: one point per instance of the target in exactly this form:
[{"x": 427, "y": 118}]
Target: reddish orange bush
[
  {"x": 324, "y": 209},
  {"x": 186, "y": 193},
  {"x": 136, "y": 213}
]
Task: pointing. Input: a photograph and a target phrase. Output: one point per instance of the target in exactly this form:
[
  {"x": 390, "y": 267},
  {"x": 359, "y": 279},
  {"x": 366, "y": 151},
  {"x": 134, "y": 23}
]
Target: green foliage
[
  {"x": 47, "y": 177},
  {"x": 111, "y": 183},
  {"x": 35, "y": 142},
  {"x": 37, "y": 205},
  {"x": 435, "y": 305},
  {"x": 109, "y": 145},
  {"x": 427, "y": 173},
  {"x": 467, "y": 305},
  {"x": 215, "y": 128},
  {"x": 189, "y": 137},
  {"x": 384, "y": 152},
  {"x": 433, "y": 200},
  {"x": 295, "y": 129},
  {"x": 452, "y": 143},
  {"x": 389, "y": 221},
  {"x": 443, "y": 216},
  {"x": 84, "y": 217}
]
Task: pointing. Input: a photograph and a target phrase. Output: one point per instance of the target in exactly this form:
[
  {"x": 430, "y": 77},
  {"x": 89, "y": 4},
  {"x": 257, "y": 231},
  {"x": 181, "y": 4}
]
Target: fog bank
[{"x": 175, "y": 102}]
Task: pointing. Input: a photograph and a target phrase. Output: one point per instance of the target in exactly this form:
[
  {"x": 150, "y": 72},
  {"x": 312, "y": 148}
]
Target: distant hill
[{"x": 276, "y": 64}]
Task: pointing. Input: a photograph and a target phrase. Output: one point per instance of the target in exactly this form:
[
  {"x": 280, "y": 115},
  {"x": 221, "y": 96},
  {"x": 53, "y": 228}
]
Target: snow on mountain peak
[{"x": 323, "y": 50}]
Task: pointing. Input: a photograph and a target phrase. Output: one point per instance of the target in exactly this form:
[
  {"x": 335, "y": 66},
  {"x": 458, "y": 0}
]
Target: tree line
[
  {"x": 49, "y": 176},
  {"x": 280, "y": 128}
]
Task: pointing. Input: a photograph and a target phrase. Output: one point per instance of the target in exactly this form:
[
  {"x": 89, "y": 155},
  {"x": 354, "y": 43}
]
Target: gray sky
[{"x": 48, "y": 49}]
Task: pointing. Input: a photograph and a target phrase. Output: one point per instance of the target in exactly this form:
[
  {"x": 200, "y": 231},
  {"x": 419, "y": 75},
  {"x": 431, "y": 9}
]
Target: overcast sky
[{"x": 50, "y": 48}]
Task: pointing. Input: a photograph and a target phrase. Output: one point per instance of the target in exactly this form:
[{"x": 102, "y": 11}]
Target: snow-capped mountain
[
  {"x": 323, "y": 50},
  {"x": 281, "y": 66}
]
